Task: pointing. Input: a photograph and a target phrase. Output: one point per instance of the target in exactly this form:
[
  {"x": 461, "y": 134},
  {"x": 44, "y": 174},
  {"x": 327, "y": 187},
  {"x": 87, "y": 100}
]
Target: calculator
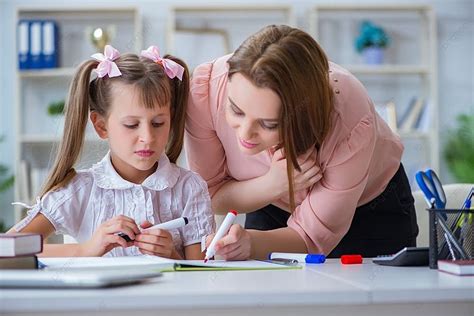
[{"x": 408, "y": 256}]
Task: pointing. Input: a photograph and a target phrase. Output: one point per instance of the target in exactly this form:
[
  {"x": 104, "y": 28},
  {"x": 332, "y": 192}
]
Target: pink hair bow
[
  {"x": 106, "y": 65},
  {"x": 172, "y": 68}
]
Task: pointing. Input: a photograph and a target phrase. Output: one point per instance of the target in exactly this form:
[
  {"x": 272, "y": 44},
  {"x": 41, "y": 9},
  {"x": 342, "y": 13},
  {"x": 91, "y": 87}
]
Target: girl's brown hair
[
  {"x": 292, "y": 64},
  {"x": 85, "y": 95}
]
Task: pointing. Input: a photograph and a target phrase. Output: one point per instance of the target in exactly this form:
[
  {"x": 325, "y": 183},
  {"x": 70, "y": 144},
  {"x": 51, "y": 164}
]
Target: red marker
[{"x": 351, "y": 259}]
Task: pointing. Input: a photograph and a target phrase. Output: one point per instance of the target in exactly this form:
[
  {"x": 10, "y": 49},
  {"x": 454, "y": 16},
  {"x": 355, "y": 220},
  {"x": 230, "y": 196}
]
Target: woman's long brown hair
[
  {"x": 292, "y": 64},
  {"x": 86, "y": 95}
]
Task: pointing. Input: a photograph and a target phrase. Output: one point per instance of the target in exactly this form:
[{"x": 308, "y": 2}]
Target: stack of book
[
  {"x": 18, "y": 250},
  {"x": 457, "y": 267}
]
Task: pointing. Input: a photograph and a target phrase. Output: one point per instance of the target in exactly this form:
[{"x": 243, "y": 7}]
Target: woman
[{"x": 293, "y": 140}]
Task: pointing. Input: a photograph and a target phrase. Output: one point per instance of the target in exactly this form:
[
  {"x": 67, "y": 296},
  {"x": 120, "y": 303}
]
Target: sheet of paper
[
  {"x": 106, "y": 262},
  {"x": 199, "y": 265},
  {"x": 153, "y": 262}
]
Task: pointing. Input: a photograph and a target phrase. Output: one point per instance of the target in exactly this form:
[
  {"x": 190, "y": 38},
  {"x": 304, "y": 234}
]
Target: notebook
[
  {"x": 79, "y": 278},
  {"x": 155, "y": 263}
]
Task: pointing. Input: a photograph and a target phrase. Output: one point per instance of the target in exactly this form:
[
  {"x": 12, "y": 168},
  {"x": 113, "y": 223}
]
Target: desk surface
[{"x": 332, "y": 288}]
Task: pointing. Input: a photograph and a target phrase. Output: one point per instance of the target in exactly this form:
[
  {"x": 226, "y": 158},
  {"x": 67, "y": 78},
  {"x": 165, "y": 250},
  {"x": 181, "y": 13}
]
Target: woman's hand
[
  {"x": 236, "y": 245},
  {"x": 277, "y": 177},
  {"x": 156, "y": 242},
  {"x": 105, "y": 239}
]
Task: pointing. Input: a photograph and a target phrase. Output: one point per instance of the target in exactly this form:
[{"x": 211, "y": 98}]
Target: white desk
[{"x": 327, "y": 289}]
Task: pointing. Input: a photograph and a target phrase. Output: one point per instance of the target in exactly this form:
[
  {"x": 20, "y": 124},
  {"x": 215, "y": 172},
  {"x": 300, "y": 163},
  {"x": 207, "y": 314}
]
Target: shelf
[
  {"x": 388, "y": 69},
  {"x": 219, "y": 8},
  {"x": 47, "y": 73},
  {"x": 374, "y": 7},
  {"x": 201, "y": 33},
  {"x": 414, "y": 134},
  {"x": 50, "y": 139},
  {"x": 410, "y": 68}
]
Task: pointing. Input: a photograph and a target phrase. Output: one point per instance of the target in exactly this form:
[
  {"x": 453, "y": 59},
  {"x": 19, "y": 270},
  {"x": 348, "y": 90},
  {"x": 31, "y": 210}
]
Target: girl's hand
[
  {"x": 277, "y": 176},
  {"x": 236, "y": 245},
  {"x": 156, "y": 242},
  {"x": 105, "y": 238}
]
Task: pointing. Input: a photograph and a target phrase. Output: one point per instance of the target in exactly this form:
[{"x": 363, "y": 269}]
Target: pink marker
[{"x": 221, "y": 232}]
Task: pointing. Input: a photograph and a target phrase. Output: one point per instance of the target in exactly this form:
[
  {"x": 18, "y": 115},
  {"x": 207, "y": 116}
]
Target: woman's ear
[{"x": 99, "y": 124}]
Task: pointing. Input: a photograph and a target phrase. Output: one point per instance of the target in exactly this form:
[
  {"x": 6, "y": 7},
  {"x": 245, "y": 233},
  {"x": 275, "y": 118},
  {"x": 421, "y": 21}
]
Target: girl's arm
[
  {"x": 102, "y": 241},
  {"x": 41, "y": 225}
]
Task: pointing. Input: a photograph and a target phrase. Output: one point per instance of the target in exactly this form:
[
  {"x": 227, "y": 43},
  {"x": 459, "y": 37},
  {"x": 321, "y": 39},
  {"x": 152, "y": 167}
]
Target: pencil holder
[{"x": 451, "y": 234}]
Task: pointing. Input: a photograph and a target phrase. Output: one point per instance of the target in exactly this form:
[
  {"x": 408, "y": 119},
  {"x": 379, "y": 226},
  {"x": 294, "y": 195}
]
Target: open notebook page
[{"x": 155, "y": 262}]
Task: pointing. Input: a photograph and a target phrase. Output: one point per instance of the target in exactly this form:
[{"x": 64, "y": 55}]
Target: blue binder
[
  {"x": 49, "y": 44},
  {"x": 23, "y": 44},
  {"x": 36, "y": 60}
]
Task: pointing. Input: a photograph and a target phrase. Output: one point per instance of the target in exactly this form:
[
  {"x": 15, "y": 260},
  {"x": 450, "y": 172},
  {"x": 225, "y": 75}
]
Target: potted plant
[
  {"x": 56, "y": 111},
  {"x": 459, "y": 149},
  {"x": 56, "y": 108},
  {"x": 371, "y": 42}
]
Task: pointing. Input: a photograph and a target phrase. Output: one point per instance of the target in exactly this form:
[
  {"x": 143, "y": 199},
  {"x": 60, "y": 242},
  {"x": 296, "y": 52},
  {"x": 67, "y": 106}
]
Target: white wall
[
  {"x": 455, "y": 53},
  {"x": 6, "y": 105}
]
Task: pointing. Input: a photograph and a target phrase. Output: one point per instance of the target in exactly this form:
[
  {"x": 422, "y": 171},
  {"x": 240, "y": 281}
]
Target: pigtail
[
  {"x": 76, "y": 116},
  {"x": 179, "y": 101}
]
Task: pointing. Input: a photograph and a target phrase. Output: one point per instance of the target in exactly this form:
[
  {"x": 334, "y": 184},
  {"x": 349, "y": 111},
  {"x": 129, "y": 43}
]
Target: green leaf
[
  {"x": 459, "y": 150},
  {"x": 7, "y": 183}
]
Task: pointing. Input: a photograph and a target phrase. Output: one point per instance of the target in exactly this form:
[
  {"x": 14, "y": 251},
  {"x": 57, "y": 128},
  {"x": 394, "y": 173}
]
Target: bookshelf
[
  {"x": 38, "y": 134},
  {"x": 202, "y": 33},
  {"x": 409, "y": 69}
]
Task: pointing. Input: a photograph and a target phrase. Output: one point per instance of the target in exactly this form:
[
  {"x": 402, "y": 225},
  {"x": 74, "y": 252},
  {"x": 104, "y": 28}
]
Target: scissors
[{"x": 431, "y": 187}]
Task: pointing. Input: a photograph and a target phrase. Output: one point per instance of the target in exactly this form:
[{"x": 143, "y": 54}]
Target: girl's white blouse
[{"x": 98, "y": 194}]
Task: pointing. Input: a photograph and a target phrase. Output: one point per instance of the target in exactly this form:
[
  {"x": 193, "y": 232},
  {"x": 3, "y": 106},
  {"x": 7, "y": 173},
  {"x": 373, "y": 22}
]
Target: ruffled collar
[{"x": 106, "y": 177}]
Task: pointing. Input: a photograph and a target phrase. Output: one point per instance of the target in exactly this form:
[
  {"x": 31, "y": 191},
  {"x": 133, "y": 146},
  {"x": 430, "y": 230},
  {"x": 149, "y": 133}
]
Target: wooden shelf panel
[
  {"x": 47, "y": 73},
  {"x": 388, "y": 69},
  {"x": 51, "y": 139}
]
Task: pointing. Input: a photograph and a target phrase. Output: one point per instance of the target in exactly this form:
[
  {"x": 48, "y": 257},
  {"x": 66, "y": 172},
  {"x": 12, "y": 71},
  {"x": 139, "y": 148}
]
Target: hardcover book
[{"x": 18, "y": 244}]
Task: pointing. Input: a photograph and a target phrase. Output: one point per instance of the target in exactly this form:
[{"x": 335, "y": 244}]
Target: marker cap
[
  {"x": 351, "y": 259},
  {"x": 315, "y": 258}
]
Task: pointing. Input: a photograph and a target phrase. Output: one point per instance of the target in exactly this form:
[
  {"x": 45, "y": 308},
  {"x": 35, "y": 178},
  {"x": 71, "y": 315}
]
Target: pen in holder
[{"x": 451, "y": 234}]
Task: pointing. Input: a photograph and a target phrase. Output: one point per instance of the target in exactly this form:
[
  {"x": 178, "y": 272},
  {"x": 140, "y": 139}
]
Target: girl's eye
[
  {"x": 157, "y": 124},
  {"x": 131, "y": 126}
]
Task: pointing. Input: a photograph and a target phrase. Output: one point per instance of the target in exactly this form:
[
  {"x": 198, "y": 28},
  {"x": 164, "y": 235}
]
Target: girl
[
  {"x": 138, "y": 105},
  {"x": 293, "y": 140}
]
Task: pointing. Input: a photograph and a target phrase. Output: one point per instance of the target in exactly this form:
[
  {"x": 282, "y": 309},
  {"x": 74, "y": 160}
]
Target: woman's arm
[
  {"x": 277, "y": 240},
  {"x": 242, "y": 244},
  {"x": 244, "y": 196},
  {"x": 193, "y": 252},
  {"x": 250, "y": 195}
]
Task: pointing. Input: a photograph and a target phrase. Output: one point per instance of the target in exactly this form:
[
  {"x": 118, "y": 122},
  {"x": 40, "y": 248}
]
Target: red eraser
[{"x": 351, "y": 259}]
